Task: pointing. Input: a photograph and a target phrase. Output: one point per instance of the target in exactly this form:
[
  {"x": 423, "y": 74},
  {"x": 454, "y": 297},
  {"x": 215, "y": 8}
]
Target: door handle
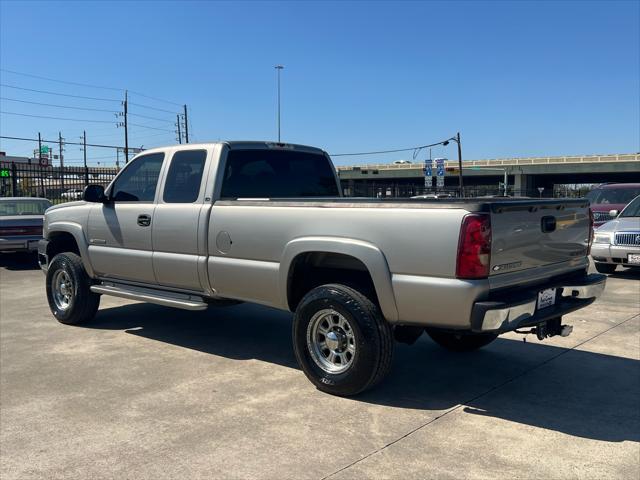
[{"x": 144, "y": 220}]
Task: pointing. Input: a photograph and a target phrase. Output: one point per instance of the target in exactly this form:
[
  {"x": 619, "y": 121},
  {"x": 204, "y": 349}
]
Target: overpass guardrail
[{"x": 625, "y": 157}]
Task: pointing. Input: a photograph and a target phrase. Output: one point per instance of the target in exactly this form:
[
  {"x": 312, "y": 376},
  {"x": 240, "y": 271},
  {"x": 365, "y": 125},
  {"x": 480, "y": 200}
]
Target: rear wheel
[
  {"x": 605, "y": 267},
  {"x": 461, "y": 342},
  {"x": 341, "y": 341},
  {"x": 69, "y": 290}
]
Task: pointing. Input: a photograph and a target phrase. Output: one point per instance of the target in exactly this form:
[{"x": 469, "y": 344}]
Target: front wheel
[
  {"x": 69, "y": 290},
  {"x": 605, "y": 267},
  {"x": 460, "y": 342},
  {"x": 341, "y": 340}
]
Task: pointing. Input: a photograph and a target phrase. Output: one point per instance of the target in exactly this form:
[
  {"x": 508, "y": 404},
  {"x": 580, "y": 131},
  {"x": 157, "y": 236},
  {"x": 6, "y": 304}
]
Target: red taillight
[
  {"x": 27, "y": 230},
  {"x": 474, "y": 247},
  {"x": 591, "y": 232}
]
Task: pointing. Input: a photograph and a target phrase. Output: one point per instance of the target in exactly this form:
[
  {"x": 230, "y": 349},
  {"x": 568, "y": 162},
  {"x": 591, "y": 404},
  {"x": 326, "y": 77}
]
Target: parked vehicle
[
  {"x": 192, "y": 225},
  {"x": 73, "y": 194},
  {"x": 611, "y": 196},
  {"x": 617, "y": 242},
  {"x": 432, "y": 196},
  {"x": 21, "y": 221}
]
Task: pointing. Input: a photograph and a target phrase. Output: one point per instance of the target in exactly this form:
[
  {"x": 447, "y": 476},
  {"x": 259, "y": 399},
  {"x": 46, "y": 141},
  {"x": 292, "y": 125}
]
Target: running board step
[{"x": 176, "y": 300}]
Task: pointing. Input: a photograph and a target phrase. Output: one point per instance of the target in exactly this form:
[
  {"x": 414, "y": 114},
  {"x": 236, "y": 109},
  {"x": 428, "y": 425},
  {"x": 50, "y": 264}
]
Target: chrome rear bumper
[{"x": 503, "y": 315}]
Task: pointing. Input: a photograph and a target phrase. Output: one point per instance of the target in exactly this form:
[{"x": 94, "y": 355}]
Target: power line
[
  {"x": 152, "y": 128},
  {"x": 152, "y": 108},
  {"x": 58, "y": 106},
  {"x": 56, "y": 141},
  {"x": 154, "y": 98},
  {"x": 55, "y": 118},
  {"x": 414, "y": 149},
  {"x": 59, "y": 81},
  {"x": 92, "y": 158},
  {"x": 60, "y": 94},
  {"x": 138, "y": 134},
  {"x": 164, "y": 120},
  {"x": 87, "y": 85}
]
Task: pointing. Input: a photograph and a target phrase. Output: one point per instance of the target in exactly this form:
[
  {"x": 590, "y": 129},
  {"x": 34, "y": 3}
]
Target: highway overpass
[{"x": 525, "y": 175}]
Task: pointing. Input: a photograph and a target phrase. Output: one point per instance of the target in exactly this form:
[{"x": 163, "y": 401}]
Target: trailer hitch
[{"x": 548, "y": 329}]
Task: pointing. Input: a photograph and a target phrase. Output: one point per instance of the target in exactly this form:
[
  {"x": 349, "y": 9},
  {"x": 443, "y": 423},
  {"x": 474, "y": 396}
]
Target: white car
[
  {"x": 73, "y": 194},
  {"x": 617, "y": 242}
]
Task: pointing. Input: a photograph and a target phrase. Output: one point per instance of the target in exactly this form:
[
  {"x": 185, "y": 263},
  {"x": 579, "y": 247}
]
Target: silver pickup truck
[{"x": 191, "y": 226}]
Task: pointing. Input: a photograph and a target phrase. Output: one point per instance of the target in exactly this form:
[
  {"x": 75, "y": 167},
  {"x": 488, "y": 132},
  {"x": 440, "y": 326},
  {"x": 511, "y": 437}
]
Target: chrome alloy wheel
[
  {"x": 63, "y": 290},
  {"x": 331, "y": 341}
]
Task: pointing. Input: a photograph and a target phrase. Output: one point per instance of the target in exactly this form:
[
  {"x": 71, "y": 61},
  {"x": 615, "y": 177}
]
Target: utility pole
[
  {"x": 40, "y": 165},
  {"x": 279, "y": 68},
  {"x": 506, "y": 181},
  {"x": 84, "y": 152},
  {"x": 61, "y": 160},
  {"x": 126, "y": 131},
  {"x": 179, "y": 133},
  {"x": 186, "y": 126},
  {"x": 460, "y": 164}
]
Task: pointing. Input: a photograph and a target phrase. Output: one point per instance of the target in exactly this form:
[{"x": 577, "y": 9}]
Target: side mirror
[
  {"x": 613, "y": 213},
  {"x": 94, "y": 193}
]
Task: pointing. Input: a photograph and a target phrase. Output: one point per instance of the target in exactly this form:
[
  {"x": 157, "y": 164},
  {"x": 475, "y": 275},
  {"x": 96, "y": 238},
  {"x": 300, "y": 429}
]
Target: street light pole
[
  {"x": 459, "y": 164},
  {"x": 278, "y": 68},
  {"x": 457, "y": 140}
]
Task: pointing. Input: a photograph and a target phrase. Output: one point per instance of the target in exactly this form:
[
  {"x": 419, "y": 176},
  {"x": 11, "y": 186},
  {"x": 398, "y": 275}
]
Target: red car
[{"x": 611, "y": 196}]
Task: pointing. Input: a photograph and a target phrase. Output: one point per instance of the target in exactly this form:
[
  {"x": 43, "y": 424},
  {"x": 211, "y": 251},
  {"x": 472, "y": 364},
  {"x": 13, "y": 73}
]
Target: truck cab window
[
  {"x": 138, "y": 181},
  {"x": 277, "y": 174},
  {"x": 185, "y": 176}
]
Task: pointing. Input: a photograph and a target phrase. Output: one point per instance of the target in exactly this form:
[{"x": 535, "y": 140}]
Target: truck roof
[
  {"x": 612, "y": 185},
  {"x": 240, "y": 145}
]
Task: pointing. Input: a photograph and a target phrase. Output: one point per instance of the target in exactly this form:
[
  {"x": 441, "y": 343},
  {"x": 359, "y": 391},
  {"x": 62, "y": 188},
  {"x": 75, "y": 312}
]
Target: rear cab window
[{"x": 256, "y": 173}]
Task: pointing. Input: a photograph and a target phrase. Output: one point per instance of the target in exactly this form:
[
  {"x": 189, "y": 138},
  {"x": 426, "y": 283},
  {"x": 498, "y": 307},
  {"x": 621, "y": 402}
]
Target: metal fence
[
  {"x": 58, "y": 184},
  {"x": 61, "y": 184},
  {"x": 391, "y": 190}
]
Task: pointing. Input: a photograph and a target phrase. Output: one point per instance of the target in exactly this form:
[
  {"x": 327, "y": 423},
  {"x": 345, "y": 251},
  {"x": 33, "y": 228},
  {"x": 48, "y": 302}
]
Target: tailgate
[{"x": 533, "y": 233}]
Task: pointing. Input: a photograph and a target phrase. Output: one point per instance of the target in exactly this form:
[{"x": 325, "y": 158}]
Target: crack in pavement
[{"x": 491, "y": 390}]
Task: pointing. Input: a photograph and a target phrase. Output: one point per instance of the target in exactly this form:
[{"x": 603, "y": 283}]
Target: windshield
[
  {"x": 23, "y": 207},
  {"x": 633, "y": 209},
  {"x": 612, "y": 195}
]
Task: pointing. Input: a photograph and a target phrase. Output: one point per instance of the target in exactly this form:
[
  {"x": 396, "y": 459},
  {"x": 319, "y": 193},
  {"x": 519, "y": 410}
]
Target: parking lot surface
[{"x": 150, "y": 392}]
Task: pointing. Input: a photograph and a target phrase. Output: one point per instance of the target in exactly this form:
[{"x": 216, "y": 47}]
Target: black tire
[
  {"x": 460, "y": 342},
  {"x": 83, "y": 303},
  {"x": 372, "y": 338},
  {"x": 605, "y": 267}
]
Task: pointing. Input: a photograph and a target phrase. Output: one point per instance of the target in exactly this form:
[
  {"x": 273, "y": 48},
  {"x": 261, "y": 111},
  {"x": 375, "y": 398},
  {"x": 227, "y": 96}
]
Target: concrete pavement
[{"x": 150, "y": 392}]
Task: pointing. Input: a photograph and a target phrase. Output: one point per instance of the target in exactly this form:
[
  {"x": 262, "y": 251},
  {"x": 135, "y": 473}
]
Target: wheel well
[
  {"x": 61, "y": 242},
  {"x": 312, "y": 269}
]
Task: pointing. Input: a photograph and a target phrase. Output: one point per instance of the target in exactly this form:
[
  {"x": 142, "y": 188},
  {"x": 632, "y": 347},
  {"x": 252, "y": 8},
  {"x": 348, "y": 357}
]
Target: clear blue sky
[{"x": 515, "y": 78}]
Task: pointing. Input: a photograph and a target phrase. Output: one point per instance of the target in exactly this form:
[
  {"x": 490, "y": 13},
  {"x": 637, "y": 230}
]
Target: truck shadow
[
  {"x": 633, "y": 273},
  {"x": 583, "y": 394},
  {"x": 19, "y": 261}
]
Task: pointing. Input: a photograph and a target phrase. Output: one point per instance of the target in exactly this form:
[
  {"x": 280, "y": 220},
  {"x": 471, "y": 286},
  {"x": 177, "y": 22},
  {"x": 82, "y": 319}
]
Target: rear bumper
[
  {"x": 19, "y": 244},
  {"x": 511, "y": 311}
]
